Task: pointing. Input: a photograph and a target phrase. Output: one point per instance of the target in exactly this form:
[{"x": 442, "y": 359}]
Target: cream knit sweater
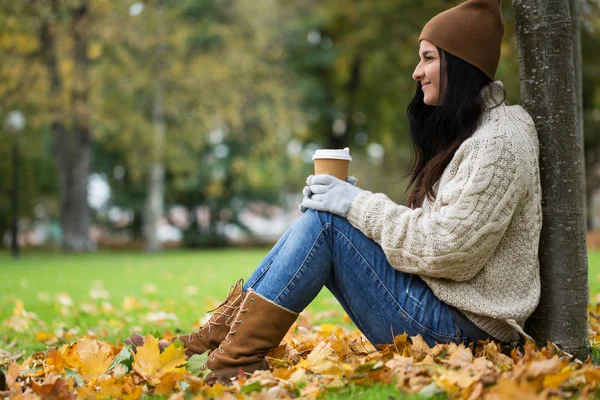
[{"x": 476, "y": 245}]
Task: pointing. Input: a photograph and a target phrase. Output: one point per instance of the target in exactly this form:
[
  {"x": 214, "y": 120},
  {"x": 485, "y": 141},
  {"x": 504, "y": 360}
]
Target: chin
[{"x": 429, "y": 102}]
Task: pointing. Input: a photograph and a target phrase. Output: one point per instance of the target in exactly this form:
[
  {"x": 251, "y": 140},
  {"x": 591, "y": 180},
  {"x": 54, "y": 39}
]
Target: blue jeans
[{"x": 322, "y": 249}]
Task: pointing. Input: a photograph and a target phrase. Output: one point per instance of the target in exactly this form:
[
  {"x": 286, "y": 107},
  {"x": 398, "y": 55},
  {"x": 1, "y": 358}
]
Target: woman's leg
[
  {"x": 322, "y": 249},
  {"x": 265, "y": 264}
]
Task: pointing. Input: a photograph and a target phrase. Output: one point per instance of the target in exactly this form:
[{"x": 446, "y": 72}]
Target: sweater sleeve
[{"x": 459, "y": 234}]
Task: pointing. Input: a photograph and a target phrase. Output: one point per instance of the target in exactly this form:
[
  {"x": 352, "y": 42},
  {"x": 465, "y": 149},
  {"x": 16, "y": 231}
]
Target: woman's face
[{"x": 428, "y": 72}]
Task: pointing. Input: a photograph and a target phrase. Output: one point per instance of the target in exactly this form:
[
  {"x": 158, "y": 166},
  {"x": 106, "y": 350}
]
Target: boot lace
[{"x": 229, "y": 311}]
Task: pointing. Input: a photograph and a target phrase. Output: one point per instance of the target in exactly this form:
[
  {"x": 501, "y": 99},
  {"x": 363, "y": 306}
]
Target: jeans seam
[
  {"x": 408, "y": 316},
  {"x": 262, "y": 273},
  {"x": 301, "y": 266}
]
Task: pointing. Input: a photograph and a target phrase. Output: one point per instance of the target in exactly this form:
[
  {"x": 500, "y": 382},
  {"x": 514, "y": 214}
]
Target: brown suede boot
[
  {"x": 210, "y": 335},
  {"x": 258, "y": 327}
]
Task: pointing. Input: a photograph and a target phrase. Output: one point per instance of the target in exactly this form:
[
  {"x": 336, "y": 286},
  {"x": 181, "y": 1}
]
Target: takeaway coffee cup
[{"x": 332, "y": 162}]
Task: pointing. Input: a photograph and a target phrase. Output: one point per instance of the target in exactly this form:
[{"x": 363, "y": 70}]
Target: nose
[{"x": 418, "y": 73}]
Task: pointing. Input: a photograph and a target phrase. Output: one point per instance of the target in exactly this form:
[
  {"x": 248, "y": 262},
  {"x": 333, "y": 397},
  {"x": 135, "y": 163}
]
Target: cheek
[{"x": 434, "y": 76}]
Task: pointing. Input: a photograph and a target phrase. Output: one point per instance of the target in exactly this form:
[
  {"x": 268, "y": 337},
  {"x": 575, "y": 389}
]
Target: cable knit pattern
[{"x": 476, "y": 244}]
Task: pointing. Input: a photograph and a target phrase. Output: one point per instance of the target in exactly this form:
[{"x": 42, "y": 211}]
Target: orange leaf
[{"x": 54, "y": 360}]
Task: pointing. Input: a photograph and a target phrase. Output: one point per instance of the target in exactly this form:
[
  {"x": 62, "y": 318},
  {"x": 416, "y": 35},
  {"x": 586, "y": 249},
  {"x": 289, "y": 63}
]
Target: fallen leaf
[
  {"x": 94, "y": 357},
  {"x": 419, "y": 348},
  {"x": 322, "y": 360},
  {"x": 152, "y": 365}
]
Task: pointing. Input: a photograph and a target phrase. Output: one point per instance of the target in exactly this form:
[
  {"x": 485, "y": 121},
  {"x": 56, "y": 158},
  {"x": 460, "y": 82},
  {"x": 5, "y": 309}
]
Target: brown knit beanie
[{"x": 471, "y": 31}]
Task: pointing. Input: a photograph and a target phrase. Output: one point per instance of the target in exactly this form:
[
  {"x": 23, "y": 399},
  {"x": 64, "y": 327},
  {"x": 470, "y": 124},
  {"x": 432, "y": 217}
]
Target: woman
[{"x": 459, "y": 264}]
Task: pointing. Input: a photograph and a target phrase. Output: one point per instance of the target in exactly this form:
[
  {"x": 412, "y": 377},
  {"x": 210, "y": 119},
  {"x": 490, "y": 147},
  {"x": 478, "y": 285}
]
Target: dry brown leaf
[
  {"x": 419, "y": 348},
  {"x": 323, "y": 360},
  {"x": 454, "y": 380},
  {"x": 11, "y": 379},
  {"x": 510, "y": 390},
  {"x": 461, "y": 358},
  {"x": 54, "y": 387},
  {"x": 544, "y": 367}
]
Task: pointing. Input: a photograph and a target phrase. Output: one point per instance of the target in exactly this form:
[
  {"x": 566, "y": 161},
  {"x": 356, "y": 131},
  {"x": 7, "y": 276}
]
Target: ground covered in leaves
[{"x": 312, "y": 361}]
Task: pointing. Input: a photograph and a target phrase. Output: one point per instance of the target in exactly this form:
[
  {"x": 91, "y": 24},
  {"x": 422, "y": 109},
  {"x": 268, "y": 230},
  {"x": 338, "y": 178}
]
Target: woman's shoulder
[
  {"x": 512, "y": 128},
  {"x": 509, "y": 121}
]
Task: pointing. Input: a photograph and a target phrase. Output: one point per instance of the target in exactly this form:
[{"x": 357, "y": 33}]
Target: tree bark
[
  {"x": 547, "y": 60},
  {"x": 154, "y": 207},
  {"x": 72, "y": 149}
]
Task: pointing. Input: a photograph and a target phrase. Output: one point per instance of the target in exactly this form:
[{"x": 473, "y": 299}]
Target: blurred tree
[
  {"x": 227, "y": 98},
  {"x": 21, "y": 82},
  {"x": 64, "y": 39}
]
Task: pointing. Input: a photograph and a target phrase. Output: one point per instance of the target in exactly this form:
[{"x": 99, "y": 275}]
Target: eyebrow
[{"x": 426, "y": 52}]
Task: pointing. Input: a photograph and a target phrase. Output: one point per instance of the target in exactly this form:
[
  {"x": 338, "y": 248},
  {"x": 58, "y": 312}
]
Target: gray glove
[
  {"x": 306, "y": 192},
  {"x": 330, "y": 194}
]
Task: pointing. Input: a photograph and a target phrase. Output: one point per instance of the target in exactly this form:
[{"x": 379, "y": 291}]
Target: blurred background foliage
[{"x": 230, "y": 98}]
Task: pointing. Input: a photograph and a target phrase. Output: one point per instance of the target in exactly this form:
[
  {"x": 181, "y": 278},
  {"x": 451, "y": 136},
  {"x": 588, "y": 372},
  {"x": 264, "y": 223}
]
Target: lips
[{"x": 425, "y": 84}]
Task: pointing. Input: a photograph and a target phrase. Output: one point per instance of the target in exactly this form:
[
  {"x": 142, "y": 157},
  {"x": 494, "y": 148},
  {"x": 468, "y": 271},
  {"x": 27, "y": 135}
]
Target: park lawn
[
  {"x": 127, "y": 292},
  {"x": 112, "y": 294}
]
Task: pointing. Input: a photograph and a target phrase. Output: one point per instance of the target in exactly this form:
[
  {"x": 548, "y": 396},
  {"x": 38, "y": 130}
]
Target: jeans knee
[{"x": 320, "y": 217}]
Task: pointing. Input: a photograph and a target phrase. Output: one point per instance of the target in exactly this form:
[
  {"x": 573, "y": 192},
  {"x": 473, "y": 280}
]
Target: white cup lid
[{"x": 341, "y": 154}]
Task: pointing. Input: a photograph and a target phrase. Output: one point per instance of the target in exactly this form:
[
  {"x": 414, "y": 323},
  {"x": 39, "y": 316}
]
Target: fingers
[
  {"x": 317, "y": 189},
  {"x": 323, "y": 179},
  {"x": 306, "y": 192},
  {"x": 309, "y": 180},
  {"x": 312, "y": 204},
  {"x": 352, "y": 180}
]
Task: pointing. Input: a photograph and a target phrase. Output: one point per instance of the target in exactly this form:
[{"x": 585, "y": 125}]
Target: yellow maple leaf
[
  {"x": 151, "y": 365},
  {"x": 94, "y": 356},
  {"x": 555, "y": 380}
]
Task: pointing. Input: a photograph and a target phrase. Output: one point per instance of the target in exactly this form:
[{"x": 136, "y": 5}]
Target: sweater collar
[{"x": 493, "y": 94}]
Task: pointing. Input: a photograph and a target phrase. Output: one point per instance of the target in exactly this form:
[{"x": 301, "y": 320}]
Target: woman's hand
[
  {"x": 307, "y": 193},
  {"x": 328, "y": 193}
]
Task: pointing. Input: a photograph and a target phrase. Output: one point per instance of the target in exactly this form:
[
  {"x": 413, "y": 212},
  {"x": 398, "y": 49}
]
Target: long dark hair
[{"x": 438, "y": 131}]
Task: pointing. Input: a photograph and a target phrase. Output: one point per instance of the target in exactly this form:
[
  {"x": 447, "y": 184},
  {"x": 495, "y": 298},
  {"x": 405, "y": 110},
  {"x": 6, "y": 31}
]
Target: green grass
[
  {"x": 594, "y": 272},
  {"x": 182, "y": 283}
]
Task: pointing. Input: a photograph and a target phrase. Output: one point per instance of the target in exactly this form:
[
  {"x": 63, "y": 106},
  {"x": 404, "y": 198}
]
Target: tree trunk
[
  {"x": 153, "y": 210},
  {"x": 72, "y": 148},
  {"x": 154, "y": 207},
  {"x": 549, "y": 93}
]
